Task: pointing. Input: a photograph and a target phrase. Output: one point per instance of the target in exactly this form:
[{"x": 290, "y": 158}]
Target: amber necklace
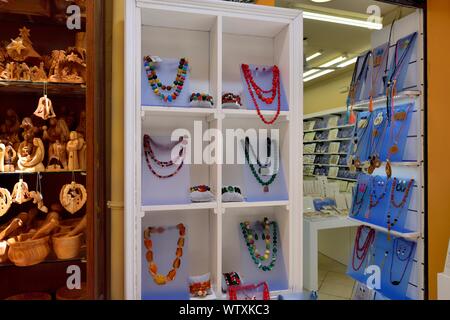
[{"x": 158, "y": 278}]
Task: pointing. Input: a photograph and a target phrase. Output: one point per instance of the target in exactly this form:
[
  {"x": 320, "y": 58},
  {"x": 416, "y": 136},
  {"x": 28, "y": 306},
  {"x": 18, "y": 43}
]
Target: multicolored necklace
[
  {"x": 358, "y": 203},
  {"x": 374, "y": 199},
  {"x": 156, "y": 85},
  {"x": 150, "y": 155},
  {"x": 158, "y": 278},
  {"x": 254, "y": 88},
  {"x": 403, "y": 252},
  {"x": 256, "y": 173},
  {"x": 401, "y": 206},
  {"x": 360, "y": 252},
  {"x": 257, "y": 258}
]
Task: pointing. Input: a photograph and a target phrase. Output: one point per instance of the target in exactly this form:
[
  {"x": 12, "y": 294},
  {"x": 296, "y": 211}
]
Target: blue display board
[{"x": 167, "y": 73}]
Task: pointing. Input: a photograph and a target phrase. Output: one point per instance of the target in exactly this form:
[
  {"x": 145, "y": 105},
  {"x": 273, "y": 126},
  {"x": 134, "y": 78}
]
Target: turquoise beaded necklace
[
  {"x": 255, "y": 173},
  {"x": 258, "y": 258}
]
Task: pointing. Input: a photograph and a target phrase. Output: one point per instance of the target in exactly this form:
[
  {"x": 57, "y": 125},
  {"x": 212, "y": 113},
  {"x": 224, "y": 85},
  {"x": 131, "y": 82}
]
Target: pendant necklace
[
  {"x": 354, "y": 85},
  {"x": 362, "y": 125},
  {"x": 274, "y": 91},
  {"x": 173, "y": 91},
  {"x": 377, "y": 59},
  {"x": 402, "y": 188},
  {"x": 395, "y": 138},
  {"x": 149, "y": 155},
  {"x": 258, "y": 258},
  {"x": 263, "y": 167},
  {"x": 358, "y": 203},
  {"x": 257, "y": 173},
  {"x": 377, "y": 139},
  {"x": 374, "y": 199},
  {"x": 360, "y": 252},
  {"x": 403, "y": 251},
  {"x": 158, "y": 278}
]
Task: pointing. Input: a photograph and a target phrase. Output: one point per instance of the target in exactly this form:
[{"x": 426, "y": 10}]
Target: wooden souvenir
[
  {"x": 38, "y": 74},
  {"x": 31, "y": 151},
  {"x": 20, "y": 193},
  {"x": 21, "y": 48},
  {"x": 67, "y": 67},
  {"x": 57, "y": 134},
  {"x": 67, "y": 247},
  {"x": 38, "y": 200},
  {"x": 2, "y": 157},
  {"x": 5, "y": 201},
  {"x": 10, "y": 128},
  {"x": 74, "y": 146},
  {"x": 45, "y": 108},
  {"x": 10, "y": 159},
  {"x": 73, "y": 197},
  {"x": 12, "y": 226},
  {"x": 25, "y": 252}
]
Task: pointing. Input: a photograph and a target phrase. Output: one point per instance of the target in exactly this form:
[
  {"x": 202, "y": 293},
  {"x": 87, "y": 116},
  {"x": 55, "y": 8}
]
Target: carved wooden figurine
[
  {"x": 2, "y": 157},
  {"x": 9, "y": 162},
  {"x": 74, "y": 146},
  {"x": 21, "y": 48},
  {"x": 57, "y": 134},
  {"x": 38, "y": 73},
  {"x": 45, "y": 108},
  {"x": 31, "y": 151}
]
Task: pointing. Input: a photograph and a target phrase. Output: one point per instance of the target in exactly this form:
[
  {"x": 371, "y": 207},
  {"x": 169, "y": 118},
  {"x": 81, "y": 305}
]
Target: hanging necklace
[
  {"x": 374, "y": 199},
  {"x": 399, "y": 187},
  {"x": 149, "y": 155},
  {"x": 358, "y": 203},
  {"x": 360, "y": 252},
  {"x": 379, "y": 55},
  {"x": 254, "y": 88},
  {"x": 403, "y": 251},
  {"x": 377, "y": 138},
  {"x": 391, "y": 91},
  {"x": 355, "y": 85},
  {"x": 268, "y": 162},
  {"x": 173, "y": 91},
  {"x": 256, "y": 173},
  {"x": 158, "y": 278},
  {"x": 361, "y": 130},
  {"x": 257, "y": 258}
]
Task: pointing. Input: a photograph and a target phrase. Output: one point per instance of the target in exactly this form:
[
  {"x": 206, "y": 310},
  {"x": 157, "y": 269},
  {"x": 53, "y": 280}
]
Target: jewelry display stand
[
  {"x": 407, "y": 163},
  {"x": 216, "y": 37}
]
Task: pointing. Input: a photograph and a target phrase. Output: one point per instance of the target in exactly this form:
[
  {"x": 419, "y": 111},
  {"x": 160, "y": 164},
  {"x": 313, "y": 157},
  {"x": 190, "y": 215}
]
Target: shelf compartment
[
  {"x": 180, "y": 207},
  {"x": 66, "y": 89},
  {"x": 410, "y": 235}
]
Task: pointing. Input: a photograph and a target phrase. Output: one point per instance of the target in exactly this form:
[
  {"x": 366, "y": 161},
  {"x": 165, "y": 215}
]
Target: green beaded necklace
[
  {"x": 257, "y": 258},
  {"x": 255, "y": 173}
]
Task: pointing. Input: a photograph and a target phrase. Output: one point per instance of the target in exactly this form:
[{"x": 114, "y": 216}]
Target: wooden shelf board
[{"x": 53, "y": 88}]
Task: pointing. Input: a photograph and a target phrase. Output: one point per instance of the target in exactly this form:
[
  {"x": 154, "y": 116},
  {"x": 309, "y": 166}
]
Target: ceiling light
[
  {"x": 313, "y": 56},
  {"x": 333, "y": 62},
  {"x": 348, "y": 62},
  {"x": 310, "y": 72},
  {"x": 317, "y": 75},
  {"x": 342, "y": 20}
]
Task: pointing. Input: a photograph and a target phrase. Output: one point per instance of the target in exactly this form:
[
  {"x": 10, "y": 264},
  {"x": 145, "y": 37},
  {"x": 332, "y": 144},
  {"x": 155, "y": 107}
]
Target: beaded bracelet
[
  {"x": 231, "y": 189},
  {"x": 202, "y": 188},
  {"x": 232, "y": 279},
  {"x": 201, "y": 97},
  {"x": 231, "y": 98}
]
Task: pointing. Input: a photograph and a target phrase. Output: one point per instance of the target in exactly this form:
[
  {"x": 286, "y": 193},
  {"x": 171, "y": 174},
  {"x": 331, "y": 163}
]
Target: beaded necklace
[
  {"x": 256, "y": 173},
  {"x": 375, "y": 145},
  {"x": 254, "y": 88},
  {"x": 361, "y": 130},
  {"x": 257, "y": 258},
  {"x": 150, "y": 155},
  {"x": 379, "y": 55},
  {"x": 374, "y": 199},
  {"x": 158, "y": 278},
  {"x": 358, "y": 203},
  {"x": 360, "y": 252},
  {"x": 355, "y": 83},
  {"x": 397, "y": 187},
  {"x": 400, "y": 251},
  {"x": 156, "y": 85}
]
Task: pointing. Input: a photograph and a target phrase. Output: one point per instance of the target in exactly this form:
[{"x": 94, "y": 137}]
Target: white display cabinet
[{"x": 216, "y": 37}]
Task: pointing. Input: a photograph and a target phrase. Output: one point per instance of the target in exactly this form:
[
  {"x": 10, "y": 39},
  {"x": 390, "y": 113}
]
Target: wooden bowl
[
  {"x": 24, "y": 252},
  {"x": 66, "y": 294},
  {"x": 66, "y": 247},
  {"x": 66, "y": 226},
  {"x": 31, "y": 296}
]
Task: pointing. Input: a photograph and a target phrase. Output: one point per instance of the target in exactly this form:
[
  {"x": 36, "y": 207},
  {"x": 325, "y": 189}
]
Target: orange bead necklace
[{"x": 161, "y": 279}]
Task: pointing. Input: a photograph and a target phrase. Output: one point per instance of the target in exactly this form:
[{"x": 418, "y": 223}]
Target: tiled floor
[{"x": 334, "y": 284}]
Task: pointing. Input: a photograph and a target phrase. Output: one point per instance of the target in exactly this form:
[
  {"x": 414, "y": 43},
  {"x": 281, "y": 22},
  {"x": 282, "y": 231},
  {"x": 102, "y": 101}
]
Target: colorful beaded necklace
[
  {"x": 158, "y": 278},
  {"x": 254, "y": 88},
  {"x": 401, "y": 248},
  {"x": 360, "y": 252},
  {"x": 256, "y": 173},
  {"x": 150, "y": 155},
  {"x": 257, "y": 258},
  {"x": 156, "y": 85},
  {"x": 393, "y": 203}
]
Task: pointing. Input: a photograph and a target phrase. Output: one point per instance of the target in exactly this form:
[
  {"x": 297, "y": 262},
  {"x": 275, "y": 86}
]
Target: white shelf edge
[
  {"x": 330, "y": 128},
  {"x": 149, "y": 110},
  {"x": 180, "y": 207},
  {"x": 230, "y": 113},
  {"x": 411, "y": 235},
  {"x": 402, "y": 95},
  {"x": 232, "y": 205},
  {"x": 332, "y": 178}
]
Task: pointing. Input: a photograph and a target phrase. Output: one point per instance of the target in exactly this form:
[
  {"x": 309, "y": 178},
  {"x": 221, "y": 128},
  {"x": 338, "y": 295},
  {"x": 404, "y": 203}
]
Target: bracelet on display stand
[
  {"x": 201, "y": 100},
  {"x": 201, "y": 193},
  {"x": 231, "y": 101}
]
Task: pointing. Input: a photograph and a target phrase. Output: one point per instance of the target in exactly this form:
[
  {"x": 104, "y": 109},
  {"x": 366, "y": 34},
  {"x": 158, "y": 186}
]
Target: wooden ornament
[
  {"x": 73, "y": 197},
  {"x": 20, "y": 193},
  {"x": 388, "y": 169},
  {"x": 394, "y": 149},
  {"x": 38, "y": 200},
  {"x": 45, "y": 108},
  {"x": 2, "y": 157},
  {"x": 5, "y": 201}
]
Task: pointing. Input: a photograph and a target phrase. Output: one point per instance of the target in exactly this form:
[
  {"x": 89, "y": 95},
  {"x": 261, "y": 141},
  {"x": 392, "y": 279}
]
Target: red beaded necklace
[
  {"x": 360, "y": 252},
  {"x": 254, "y": 88},
  {"x": 393, "y": 203},
  {"x": 150, "y": 155}
]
